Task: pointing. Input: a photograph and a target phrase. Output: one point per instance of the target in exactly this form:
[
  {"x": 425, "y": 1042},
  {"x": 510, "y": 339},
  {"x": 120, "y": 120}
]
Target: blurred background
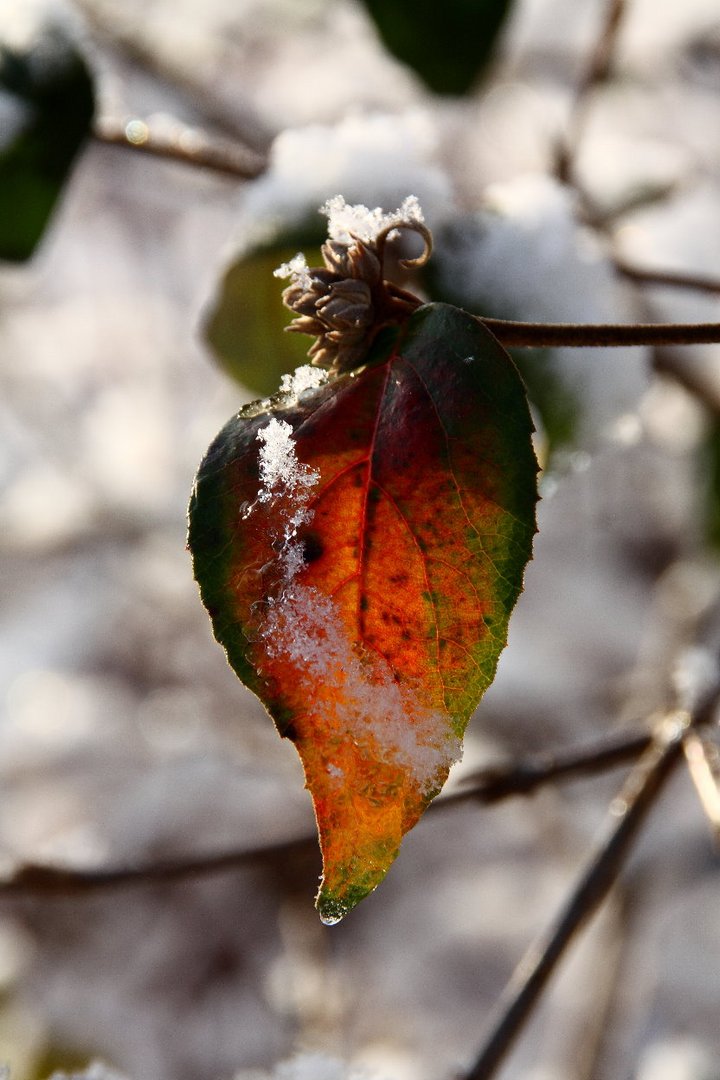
[{"x": 137, "y": 313}]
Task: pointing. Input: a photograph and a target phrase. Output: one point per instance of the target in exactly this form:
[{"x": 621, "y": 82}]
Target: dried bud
[
  {"x": 354, "y": 260},
  {"x": 345, "y": 302}
]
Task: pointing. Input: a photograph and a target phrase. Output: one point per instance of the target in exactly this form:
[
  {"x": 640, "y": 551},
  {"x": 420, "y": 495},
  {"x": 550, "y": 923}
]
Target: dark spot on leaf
[{"x": 312, "y": 547}]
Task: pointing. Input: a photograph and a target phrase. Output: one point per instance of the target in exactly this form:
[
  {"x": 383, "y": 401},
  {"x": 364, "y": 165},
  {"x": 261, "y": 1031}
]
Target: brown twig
[
  {"x": 487, "y": 786},
  {"x": 628, "y": 813},
  {"x": 704, "y": 768},
  {"x": 185, "y": 145},
  {"x": 495, "y": 783},
  {"x": 597, "y": 72},
  {"x": 696, "y": 282}
]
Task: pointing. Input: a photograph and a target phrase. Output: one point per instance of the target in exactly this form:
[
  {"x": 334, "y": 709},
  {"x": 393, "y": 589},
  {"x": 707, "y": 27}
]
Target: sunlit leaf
[
  {"x": 446, "y": 43},
  {"x": 360, "y": 572},
  {"x": 48, "y": 90}
]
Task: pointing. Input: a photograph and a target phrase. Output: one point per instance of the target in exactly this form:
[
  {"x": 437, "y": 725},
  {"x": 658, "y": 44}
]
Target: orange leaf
[{"x": 360, "y": 546}]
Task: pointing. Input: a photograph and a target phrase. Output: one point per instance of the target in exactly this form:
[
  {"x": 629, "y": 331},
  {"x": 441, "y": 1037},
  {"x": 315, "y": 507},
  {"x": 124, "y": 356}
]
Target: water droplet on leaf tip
[
  {"x": 331, "y": 911},
  {"x": 330, "y": 920}
]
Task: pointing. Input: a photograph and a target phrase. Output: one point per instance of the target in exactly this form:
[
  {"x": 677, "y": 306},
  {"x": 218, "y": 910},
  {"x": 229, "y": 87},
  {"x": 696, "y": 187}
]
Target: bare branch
[
  {"x": 186, "y": 145},
  {"x": 704, "y": 768},
  {"x": 696, "y": 282},
  {"x": 487, "y": 786},
  {"x": 34, "y": 879},
  {"x": 524, "y": 777},
  {"x": 596, "y": 73},
  {"x": 627, "y": 815}
]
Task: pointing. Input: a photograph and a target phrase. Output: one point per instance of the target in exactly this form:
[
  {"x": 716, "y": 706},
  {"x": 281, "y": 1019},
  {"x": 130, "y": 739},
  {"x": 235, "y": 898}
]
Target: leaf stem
[{"x": 522, "y": 335}]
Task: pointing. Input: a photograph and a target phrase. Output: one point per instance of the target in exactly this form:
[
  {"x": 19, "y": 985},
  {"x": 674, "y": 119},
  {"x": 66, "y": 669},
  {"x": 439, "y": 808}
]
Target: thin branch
[
  {"x": 704, "y": 769},
  {"x": 498, "y": 782},
  {"x": 48, "y": 881},
  {"x": 696, "y": 282},
  {"x": 597, "y": 72},
  {"x": 601, "y": 335},
  {"x": 185, "y": 145},
  {"x": 486, "y": 786},
  {"x": 628, "y": 813}
]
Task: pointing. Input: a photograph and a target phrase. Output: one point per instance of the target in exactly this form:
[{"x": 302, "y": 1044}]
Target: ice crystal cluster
[{"x": 343, "y": 303}]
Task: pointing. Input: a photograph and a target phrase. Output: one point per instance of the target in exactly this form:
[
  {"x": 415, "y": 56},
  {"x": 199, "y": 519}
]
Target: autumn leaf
[{"x": 360, "y": 541}]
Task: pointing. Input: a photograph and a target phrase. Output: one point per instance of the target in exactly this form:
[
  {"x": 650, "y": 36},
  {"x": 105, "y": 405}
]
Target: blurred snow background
[{"x": 124, "y": 738}]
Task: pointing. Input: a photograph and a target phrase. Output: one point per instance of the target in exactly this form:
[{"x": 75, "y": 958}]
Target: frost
[
  {"x": 296, "y": 269},
  {"x": 303, "y": 378},
  {"x": 279, "y": 466},
  {"x": 356, "y": 697},
  {"x": 346, "y": 221}
]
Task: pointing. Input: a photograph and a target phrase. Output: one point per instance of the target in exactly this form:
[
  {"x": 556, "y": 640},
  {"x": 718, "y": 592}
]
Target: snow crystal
[
  {"x": 296, "y": 269},
  {"x": 303, "y": 378},
  {"x": 279, "y": 466},
  {"x": 290, "y": 482},
  {"x": 345, "y": 220}
]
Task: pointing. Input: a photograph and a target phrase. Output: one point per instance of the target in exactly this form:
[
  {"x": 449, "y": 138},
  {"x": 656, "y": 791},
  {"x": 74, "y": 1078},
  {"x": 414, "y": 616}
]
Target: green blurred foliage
[
  {"x": 54, "y": 91},
  {"x": 447, "y": 42},
  {"x": 245, "y": 324}
]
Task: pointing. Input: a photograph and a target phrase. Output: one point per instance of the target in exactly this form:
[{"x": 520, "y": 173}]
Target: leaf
[
  {"x": 51, "y": 90},
  {"x": 242, "y": 327},
  {"x": 447, "y": 44},
  {"x": 360, "y": 573}
]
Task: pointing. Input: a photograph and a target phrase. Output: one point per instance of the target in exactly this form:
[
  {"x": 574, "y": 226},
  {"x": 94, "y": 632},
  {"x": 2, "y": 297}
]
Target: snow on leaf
[
  {"x": 360, "y": 547},
  {"x": 303, "y": 378}
]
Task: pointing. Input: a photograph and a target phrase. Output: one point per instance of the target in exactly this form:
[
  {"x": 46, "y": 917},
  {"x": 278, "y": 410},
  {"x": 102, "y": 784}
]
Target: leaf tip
[{"x": 332, "y": 908}]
